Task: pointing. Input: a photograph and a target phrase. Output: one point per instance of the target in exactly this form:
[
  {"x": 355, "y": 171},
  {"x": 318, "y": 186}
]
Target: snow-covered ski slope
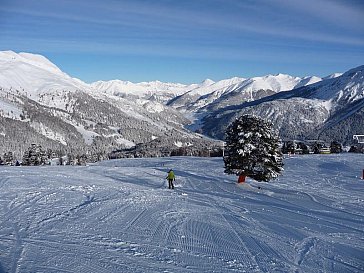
[{"x": 118, "y": 216}]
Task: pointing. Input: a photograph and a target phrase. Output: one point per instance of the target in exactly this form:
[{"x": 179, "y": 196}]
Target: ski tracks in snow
[
  {"x": 303, "y": 248},
  {"x": 118, "y": 216}
]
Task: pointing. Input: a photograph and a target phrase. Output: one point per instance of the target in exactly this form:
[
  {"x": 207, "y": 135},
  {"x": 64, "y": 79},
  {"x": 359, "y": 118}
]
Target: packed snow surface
[{"x": 119, "y": 216}]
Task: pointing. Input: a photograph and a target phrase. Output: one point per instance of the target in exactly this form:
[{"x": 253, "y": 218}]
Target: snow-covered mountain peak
[
  {"x": 162, "y": 86},
  {"x": 343, "y": 89},
  {"x": 277, "y": 83},
  {"x": 115, "y": 81},
  {"x": 332, "y": 76},
  {"x": 276, "y": 76},
  {"x": 211, "y": 86},
  {"x": 351, "y": 84},
  {"x": 29, "y": 58},
  {"x": 236, "y": 90},
  {"x": 307, "y": 81},
  {"x": 142, "y": 89},
  {"x": 355, "y": 72},
  {"x": 39, "y": 79},
  {"x": 207, "y": 82}
]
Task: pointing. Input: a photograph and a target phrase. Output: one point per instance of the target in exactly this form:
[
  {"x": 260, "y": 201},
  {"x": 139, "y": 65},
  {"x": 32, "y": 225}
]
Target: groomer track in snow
[{"x": 119, "y": 216}]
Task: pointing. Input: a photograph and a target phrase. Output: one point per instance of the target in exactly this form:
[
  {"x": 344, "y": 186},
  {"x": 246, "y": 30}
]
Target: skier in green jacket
[{"x": 171, "y": 177}]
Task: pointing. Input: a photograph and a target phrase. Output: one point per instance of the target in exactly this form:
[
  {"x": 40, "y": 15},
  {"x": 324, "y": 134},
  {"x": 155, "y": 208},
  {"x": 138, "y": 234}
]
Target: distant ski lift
[{"x": 359, "y": 138}]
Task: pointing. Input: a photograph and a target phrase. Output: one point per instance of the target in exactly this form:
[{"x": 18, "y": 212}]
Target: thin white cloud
[
  {"x": 244, "y": 53},
  {"x": 169, "y": 21},
  {"x": 334, "y": 12}
]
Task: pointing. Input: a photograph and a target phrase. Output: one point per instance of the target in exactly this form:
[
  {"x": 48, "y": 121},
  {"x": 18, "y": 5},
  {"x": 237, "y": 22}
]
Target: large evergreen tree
[
  {"x": 252, "y": 149},
  {"x": 9, "y": 158},
  {"x": 336, "y": 147},
  {"x": 34, "y": 156}
]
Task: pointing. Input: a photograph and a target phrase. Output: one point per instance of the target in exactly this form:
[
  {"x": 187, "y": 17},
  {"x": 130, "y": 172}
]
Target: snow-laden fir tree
[
  {"x": 252, "y": 149},
  {"x": 34, "y": 156},
  {"x": 9, "y": 158}
]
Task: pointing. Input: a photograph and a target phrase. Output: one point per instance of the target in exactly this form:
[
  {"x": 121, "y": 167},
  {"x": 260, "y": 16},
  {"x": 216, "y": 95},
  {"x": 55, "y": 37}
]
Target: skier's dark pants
[{"x": 170, "y": 184}]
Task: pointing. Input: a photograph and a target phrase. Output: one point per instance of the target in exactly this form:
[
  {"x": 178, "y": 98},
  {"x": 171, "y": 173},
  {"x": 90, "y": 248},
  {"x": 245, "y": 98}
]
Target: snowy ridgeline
[
  {"x": 118, "y": 216},
  {"x": 40, "y": 104}
]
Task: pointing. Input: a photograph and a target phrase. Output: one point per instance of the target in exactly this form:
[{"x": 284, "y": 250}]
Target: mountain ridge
[
  {"x": 316, "y": 106},
  {"x": 101, "y": 116},
  {"x": 66, "y": 114}
]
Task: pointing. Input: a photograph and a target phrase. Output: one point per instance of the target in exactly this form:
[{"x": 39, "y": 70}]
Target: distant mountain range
[
  {"x": 330, "y": 109},
  {"x": 234, "y": 91},
  {"x": 40, "y": 103}
]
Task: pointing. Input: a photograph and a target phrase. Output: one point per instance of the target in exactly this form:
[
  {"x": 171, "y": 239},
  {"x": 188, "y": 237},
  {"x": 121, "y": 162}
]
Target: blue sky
[{"x": 187, "y": 41}]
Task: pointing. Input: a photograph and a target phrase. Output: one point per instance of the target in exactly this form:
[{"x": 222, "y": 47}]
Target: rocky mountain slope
[
  {"x": 156, "y": 90},
  {"x": 234, "y": 91},
  {"x": 41, "y": 104},
  {"x": 330, "y": 109}
]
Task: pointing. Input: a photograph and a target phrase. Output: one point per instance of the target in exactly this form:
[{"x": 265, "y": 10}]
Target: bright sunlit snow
[{"x": 118, "y": 216}]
